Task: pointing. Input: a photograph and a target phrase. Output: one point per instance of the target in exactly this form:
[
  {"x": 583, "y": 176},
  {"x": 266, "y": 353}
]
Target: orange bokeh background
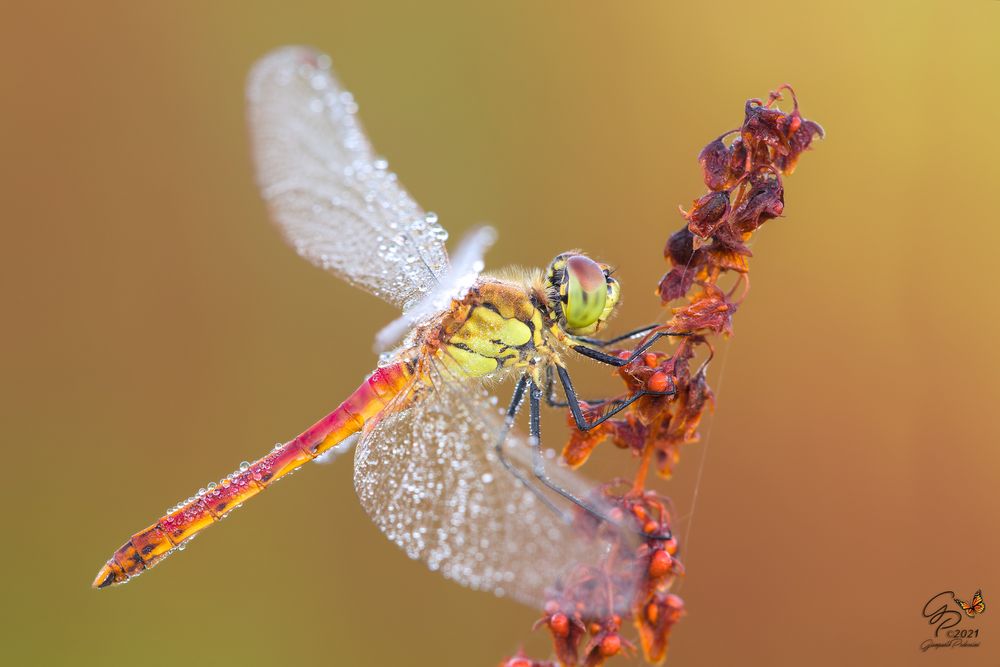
[{"x": 157, "y": 331}]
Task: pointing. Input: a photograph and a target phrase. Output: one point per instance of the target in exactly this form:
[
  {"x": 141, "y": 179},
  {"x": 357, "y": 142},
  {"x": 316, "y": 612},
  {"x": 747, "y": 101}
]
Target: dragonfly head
[{"x": 581, "y": 293}]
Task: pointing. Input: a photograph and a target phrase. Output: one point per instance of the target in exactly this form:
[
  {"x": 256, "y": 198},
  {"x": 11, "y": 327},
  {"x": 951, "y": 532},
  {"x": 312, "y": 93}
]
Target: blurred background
[{"x": 154, "y": 330}]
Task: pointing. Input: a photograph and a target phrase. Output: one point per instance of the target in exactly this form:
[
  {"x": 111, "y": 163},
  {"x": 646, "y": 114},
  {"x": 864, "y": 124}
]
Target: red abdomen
[{"x": 147, "y": 547}]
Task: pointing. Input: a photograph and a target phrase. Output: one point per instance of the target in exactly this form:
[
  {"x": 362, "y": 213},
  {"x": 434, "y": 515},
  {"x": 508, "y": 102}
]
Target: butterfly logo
[{"x": 974, "y": 606}]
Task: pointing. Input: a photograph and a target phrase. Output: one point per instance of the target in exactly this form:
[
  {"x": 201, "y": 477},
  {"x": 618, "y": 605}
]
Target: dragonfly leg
[
  {"x": 508, "y": 424},
  {"x": 617, "y": 405},
  {"x": 538, "y": 459},
  {"x": 550, "y": 391},
  {"x": 553, "y": 401},
  {"x": 612, "y": 360},
  {"x": 617, "y": 339}
]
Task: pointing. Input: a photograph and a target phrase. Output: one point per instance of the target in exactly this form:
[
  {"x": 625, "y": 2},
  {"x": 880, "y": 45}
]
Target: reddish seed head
[
  {"x": 746, "y": 190},
  {"x": 680, "y": 247},
  {"x": 794, "y": 123},
  {"x": 738, "y": 154},
  {"x": 658, "y": 381},
  {"x": 673, "y": 603},
  {"x": 800, "y": 139},
  {"x": 714, "y": 159},
  {"x": 707, "y": 213},
  {"x": 675, "y": 283},
  {"x": 611, "y": 645},
  {"x": 764, "y": 125},
  {"x": 559, "y": 625},
  {"x": 660, "y": 564}
]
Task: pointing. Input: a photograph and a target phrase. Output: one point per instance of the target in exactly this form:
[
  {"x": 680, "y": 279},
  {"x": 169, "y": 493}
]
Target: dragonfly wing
[
  {"x": 466, "y": 266},
  {"x": 428, "y": 476},
  {"x": 337, "y": 203}
]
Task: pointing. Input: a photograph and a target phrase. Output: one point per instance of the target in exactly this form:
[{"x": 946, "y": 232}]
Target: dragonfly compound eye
[{"x": 586, "y": 293}]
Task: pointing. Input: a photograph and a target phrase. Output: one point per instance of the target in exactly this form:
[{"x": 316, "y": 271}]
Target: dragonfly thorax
[{"x": 496, "y": 327}]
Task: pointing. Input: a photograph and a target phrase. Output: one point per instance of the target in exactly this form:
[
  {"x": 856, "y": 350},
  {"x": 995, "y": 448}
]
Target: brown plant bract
[{"x": 746, "y": 190}]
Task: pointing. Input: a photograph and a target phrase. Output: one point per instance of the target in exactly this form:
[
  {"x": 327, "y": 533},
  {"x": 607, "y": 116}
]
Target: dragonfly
[{"x": 438, "y": 466}]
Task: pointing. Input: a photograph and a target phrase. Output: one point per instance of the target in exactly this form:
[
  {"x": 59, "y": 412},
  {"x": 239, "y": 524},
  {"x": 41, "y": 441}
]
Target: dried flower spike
[{"x": 671, "y": 395}]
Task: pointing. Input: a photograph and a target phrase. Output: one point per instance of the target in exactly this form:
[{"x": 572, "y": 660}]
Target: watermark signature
[{"x": 945, "y": 612}]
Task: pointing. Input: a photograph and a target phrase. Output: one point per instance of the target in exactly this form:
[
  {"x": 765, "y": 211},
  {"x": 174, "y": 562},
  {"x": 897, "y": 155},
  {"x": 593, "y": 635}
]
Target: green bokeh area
[{"x": 157, "y": 331}]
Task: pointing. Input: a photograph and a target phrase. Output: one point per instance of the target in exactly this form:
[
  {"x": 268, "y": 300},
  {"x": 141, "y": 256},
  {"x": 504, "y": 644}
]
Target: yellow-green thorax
[{"x": 496, "y": 326}]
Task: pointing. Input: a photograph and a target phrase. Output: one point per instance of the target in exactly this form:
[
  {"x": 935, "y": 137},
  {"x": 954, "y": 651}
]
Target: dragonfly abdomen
[{"x": 151, "y": 545}]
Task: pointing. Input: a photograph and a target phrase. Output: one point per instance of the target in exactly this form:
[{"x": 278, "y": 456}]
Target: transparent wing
[
  {"x": 465, "y": 268},
  {"x": 428, "y": 476},
  {"x": 337, "y": 203}
]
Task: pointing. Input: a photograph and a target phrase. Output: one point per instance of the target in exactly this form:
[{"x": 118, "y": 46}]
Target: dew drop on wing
[
  {"x": 477, "y": 524},
  {"x": 459, "y": 278},
  {"x": 331, "y": 194}
]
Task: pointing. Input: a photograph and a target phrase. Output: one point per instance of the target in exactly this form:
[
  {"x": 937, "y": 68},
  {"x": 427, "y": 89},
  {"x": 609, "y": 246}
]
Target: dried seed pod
[
  {"x": 799, "y": 141},
  {"x": 745, "y": 183},
  {"x": 675, "y": 283},
  {"x": 764, "y": 125},
  {"x": 764, "y": 200},
  {"x": 715, "y": 163},
  {"x": 654, "y": 619},
  {"x": 680, "y": 247},
  {"x": 707, "y": 213},
  {"x": 567, "y": 631},
  {"x": 738, "y": 157},
  {"x": 709, "y": 310}
]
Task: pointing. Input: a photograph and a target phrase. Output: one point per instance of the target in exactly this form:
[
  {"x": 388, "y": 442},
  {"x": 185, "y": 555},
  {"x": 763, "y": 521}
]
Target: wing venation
[
  {"x": 429, "y": 478},
  {"x": 334, "y": 200}
]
